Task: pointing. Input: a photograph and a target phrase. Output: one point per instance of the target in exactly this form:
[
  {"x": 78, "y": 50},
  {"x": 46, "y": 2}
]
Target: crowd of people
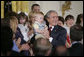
[{"x": 37, "y": 34}]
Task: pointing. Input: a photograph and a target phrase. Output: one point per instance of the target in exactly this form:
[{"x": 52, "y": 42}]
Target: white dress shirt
[{"x": 50, "y": 39}]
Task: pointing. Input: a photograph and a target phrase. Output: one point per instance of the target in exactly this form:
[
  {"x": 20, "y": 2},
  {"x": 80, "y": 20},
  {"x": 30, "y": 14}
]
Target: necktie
[{"x": 50, "y": 29}]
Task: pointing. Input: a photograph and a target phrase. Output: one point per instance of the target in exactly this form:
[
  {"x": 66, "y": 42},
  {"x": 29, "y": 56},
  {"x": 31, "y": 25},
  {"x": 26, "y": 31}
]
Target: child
[
  {"x": 39, "y": 25},
  {"x": 61, "y": 21},
  {"x": 69, "y": 20},
  {"x": 23, "y": 25}
]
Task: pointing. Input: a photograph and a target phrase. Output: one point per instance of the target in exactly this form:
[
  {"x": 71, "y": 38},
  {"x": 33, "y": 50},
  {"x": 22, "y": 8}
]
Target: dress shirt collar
[
  {"x": 52, "y": 27},
  {"x": 74, "y": 42}
]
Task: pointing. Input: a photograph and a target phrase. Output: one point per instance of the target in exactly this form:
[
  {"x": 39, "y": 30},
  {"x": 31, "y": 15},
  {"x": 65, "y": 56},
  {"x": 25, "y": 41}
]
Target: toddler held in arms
[{"x": 39, "y": 25}]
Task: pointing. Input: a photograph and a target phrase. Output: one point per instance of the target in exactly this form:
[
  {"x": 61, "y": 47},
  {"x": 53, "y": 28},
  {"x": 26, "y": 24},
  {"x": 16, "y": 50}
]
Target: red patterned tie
[{"x": 50, "y": 29}]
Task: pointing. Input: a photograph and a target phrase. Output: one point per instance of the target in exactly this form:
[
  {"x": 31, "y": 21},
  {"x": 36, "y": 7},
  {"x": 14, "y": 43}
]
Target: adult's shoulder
[
  {"x": 76, "y": 50},
  {"x": 77, "y": 45},
  {"x": 60, "y": 28}
]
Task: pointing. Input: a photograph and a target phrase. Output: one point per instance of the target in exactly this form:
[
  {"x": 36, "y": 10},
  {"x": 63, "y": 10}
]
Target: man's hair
[
  {"x": 61, "y": 19},
  {"x": 76, "y": 33},
  {"x": 78, "y": 21},
  {"x": 48, "y": 13},
  {"x": 34, "y": 5},
  {"x": 41, "y": 47},
  {"x": 6, "y": 39},
  {"x": 69, "y": 17}
]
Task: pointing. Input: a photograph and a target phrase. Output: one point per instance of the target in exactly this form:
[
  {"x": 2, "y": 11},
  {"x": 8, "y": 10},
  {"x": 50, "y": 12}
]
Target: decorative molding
[{"x": 65, "y": 7}]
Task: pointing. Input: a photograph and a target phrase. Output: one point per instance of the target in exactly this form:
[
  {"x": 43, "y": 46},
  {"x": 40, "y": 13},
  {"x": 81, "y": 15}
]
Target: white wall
[
  {"x": 77, "y": 7},
  {"x": 48, "y": 5}
]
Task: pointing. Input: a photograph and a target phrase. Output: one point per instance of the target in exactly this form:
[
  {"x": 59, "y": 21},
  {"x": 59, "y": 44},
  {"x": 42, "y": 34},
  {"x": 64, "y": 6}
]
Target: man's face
[
  {"x": 36, "y": 9},
  {"x": 53, "y": 19}
]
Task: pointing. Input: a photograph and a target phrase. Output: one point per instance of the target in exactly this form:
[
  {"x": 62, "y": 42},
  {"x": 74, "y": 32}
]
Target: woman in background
[{"x": 80, "y": 22}]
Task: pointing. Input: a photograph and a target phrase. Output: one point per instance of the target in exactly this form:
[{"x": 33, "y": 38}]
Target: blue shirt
[{"x": 15, "y": 48}]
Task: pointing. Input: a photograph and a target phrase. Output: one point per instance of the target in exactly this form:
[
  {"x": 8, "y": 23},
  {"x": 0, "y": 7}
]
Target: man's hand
[{"x": 46, "y": 34}]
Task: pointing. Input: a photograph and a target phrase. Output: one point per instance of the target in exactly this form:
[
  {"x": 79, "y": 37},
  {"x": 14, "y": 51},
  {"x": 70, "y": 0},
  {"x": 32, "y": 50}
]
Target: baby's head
[{"x": 39, "y": 17}]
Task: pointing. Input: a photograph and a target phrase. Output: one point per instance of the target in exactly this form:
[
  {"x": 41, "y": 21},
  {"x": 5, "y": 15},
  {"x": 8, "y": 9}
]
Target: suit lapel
[
  {"x": 54, "y": 31},
  {"x": 55, "y": 28}
]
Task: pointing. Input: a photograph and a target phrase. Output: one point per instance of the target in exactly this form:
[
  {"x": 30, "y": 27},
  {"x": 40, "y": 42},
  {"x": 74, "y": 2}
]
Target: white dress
[{"x": 24, "y": 31}]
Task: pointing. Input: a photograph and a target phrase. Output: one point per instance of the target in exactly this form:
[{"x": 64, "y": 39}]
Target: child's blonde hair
[{"x": 41, "y": 13}]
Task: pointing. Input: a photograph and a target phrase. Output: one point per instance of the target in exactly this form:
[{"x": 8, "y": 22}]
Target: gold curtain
[
  {"x": 2, "y": 9},
  {"x": 20, "y": 6},
  {"x": 24, "y": 6},
  {"x": 16, "y": 7}
]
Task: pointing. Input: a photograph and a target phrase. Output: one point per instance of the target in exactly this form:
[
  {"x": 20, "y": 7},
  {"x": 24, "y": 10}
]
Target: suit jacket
[
  {"x": 76, "y": 50},
  {"x": 59, "y": 35}
]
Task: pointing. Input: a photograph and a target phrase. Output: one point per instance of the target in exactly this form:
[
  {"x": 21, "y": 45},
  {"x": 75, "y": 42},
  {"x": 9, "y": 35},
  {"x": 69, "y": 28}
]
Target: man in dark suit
[
  {"x": 57, "y": 34},
  {"x": 76, "y": 34}
]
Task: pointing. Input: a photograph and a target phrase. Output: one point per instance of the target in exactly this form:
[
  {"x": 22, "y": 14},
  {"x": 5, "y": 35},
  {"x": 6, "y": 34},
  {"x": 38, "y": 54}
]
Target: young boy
[
  {"x": 69, "y": 22},
  {"x": 39, "y": 25},
  {"x": 76, "y": 35}
]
